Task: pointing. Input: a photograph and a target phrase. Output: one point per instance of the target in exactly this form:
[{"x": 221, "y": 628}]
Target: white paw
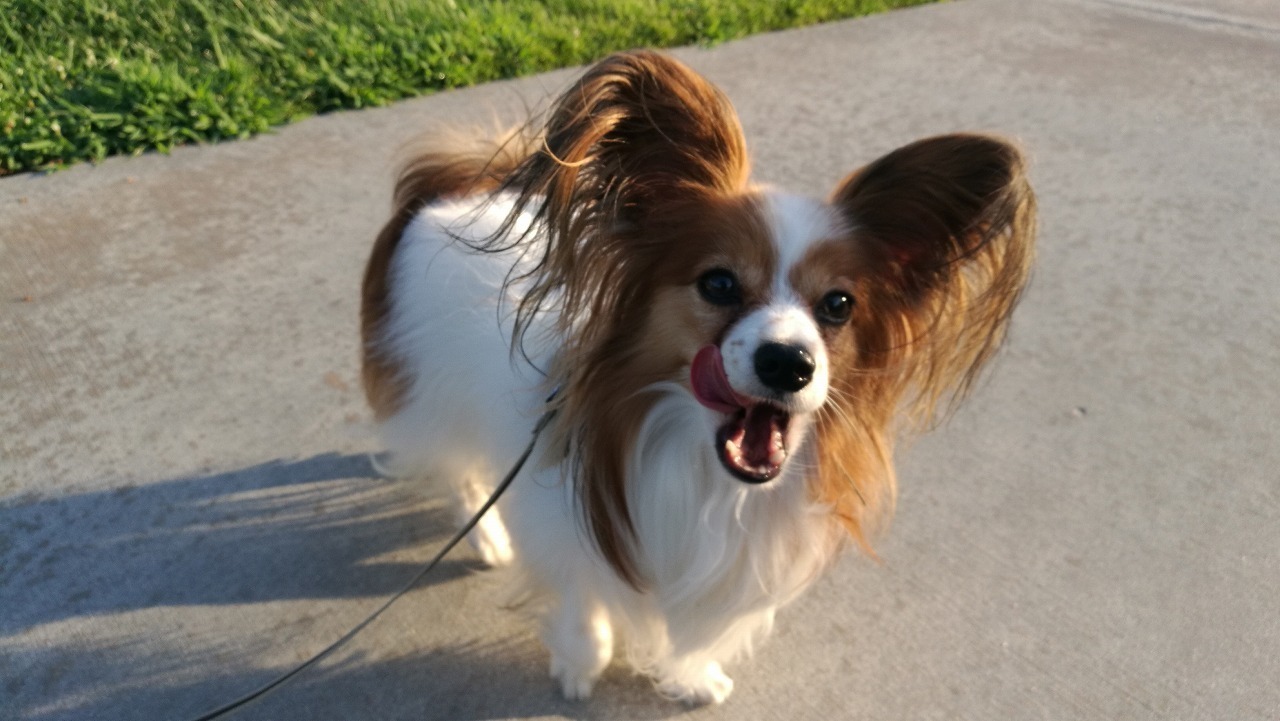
[
  {"x": 580, "y": 638},
  {"x": 712, "y": 686},
  {"x": 575, "y": 684}
]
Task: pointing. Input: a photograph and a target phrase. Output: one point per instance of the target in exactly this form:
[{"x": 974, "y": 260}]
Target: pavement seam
[{"x": 1193, "y": 16}]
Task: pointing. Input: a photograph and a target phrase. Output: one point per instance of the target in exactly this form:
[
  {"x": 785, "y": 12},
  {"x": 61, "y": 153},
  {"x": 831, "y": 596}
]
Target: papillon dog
[{"x": 729, "y": 364}]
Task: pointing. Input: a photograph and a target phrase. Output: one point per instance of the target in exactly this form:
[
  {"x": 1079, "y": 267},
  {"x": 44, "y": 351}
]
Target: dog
[{"x": 729, "y": 364}]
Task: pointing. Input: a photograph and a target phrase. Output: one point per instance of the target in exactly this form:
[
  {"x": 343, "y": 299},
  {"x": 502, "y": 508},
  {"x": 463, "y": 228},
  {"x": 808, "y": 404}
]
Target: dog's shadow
[
  {"x": 275, "y": 531},
  {"x": 475, "y": 682},
  {"x": 312, "y": 529}
]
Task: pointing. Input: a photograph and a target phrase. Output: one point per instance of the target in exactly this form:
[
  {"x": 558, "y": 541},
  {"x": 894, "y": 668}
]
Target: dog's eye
[
  {"x": 719, "y": 287},
  {"x": 834, "y": 308}
]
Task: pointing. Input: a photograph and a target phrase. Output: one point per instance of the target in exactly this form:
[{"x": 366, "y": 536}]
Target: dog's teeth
[
  {"x": 735, "y": 455},
  {"x": 777, "y": 449}
]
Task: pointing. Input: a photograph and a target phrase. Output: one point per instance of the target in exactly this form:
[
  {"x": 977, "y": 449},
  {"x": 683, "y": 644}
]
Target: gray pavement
[{"x": 187, "y": 508}]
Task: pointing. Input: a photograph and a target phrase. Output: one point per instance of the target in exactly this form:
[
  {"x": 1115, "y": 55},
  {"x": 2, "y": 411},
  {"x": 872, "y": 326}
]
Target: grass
[{"x": 84, "y": 79}]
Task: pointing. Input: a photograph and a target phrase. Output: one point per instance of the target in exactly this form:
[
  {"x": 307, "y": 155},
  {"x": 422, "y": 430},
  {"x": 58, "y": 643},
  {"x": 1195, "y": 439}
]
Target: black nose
[{"x": 786, "y": 368}]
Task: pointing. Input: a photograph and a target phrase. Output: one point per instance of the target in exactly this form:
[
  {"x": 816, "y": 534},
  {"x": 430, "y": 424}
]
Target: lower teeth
[{"x": 776, "y": 457}]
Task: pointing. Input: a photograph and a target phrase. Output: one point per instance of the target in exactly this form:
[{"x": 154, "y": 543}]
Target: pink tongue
[{"x": 710, "y": 384}]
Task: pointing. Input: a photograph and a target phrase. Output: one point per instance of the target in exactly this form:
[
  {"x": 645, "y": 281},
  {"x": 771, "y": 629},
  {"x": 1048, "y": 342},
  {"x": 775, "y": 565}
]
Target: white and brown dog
[{"x": 732, "y": 362}]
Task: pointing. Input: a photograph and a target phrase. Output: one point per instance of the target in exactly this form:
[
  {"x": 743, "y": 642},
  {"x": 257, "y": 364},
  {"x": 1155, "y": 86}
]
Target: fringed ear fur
[
  {"x": 637, "y": 133},
  {"x": 639, "y": 129},
  {"x": 949, "y": 227}
]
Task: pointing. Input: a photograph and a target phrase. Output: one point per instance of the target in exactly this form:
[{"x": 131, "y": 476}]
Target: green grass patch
[{"x": 84, "y": 79}]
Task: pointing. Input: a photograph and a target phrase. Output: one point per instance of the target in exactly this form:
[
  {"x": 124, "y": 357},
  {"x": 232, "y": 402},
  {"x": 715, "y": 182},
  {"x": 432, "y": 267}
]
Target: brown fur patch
[
  {"x": 949, "y": 226},
  {"x": 638, "y": 137},
  {"x": 854, "y": 474},
  {"x": 830, "y": 265},
  {"x": 943, "y": 232},
  {"x": 650, "y": 334}
]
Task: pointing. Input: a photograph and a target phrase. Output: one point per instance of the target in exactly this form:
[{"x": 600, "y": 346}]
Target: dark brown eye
[
  {"x": 719, "y": 287},
  {"x": 834, "y": 308}
]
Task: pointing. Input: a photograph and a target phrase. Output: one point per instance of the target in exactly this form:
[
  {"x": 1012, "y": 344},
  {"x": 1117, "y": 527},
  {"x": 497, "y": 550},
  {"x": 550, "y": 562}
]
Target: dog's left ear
[
  {"x": 947, "y": 225},
  {"x": 929, "y": 207}
]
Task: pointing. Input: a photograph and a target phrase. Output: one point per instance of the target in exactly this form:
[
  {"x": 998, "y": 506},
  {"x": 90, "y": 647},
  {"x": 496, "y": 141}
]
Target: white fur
[
  {"x": 721, "y": 555},
  {"x": 796, "y": 223},
  {"x": 782, "y": 321}
]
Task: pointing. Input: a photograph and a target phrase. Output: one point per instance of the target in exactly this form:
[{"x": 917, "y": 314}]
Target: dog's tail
[{"x": 451, "y": 164}]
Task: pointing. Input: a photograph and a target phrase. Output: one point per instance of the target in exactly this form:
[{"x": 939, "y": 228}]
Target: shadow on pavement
[
  {"x": 477, "y": 682},
  {"x": 317, "y": 528},
  {"x": 278, "y": 530}
]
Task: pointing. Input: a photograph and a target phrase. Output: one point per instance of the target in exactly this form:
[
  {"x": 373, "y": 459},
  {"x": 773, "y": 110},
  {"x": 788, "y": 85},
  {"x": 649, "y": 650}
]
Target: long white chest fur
[{"x": 720, "y": 556}]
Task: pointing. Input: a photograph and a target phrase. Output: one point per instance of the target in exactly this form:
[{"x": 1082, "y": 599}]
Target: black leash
[{"x": 493, "y": 498}]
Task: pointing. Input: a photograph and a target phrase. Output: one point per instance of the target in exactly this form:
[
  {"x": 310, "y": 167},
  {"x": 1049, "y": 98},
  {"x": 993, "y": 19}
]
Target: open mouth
[{"x": 751, "y": 443}]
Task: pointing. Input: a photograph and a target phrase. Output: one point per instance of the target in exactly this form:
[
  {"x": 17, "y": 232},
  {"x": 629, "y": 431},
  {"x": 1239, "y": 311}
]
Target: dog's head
[{"x": 797, "y": 324}]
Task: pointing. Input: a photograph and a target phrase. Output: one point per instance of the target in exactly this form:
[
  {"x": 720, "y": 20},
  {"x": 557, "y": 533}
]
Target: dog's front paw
[
  {"x": 580, "y": 639},
  {"x": 698, "y": 689},
  {"x": 575, "y": 683}
]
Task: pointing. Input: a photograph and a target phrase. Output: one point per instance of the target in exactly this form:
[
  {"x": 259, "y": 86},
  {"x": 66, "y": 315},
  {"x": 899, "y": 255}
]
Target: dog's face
[
  {"x": 798, "y": 324},
  {"x": 752, "y": 311}
]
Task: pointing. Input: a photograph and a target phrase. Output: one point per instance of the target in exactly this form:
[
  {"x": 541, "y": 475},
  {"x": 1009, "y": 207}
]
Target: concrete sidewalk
[{"x": 186, "y": 505}]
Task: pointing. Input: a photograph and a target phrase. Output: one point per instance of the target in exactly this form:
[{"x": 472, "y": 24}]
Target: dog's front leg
[{"x": 579, "y": 636}]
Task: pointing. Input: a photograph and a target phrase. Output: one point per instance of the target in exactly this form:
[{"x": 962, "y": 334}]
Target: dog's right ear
[
  {"x": 638, "y": 133},
  {"x": 635, "y": 134},
  {"x": 637, "y": 130}
]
